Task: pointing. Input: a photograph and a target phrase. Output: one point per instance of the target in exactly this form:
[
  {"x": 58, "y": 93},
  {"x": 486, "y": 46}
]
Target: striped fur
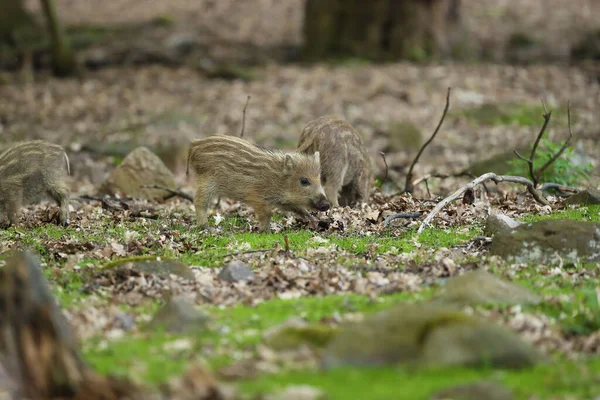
[
  {"x": 30, "y": 171},
  {"x": 231, "y": 167},
  {"x": 346, "y": 170}
]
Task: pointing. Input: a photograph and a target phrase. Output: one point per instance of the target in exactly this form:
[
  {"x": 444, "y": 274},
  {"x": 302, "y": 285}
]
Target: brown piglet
[
  {"x": 30, "y": 171},
  {"x": 265, "y": 179},
  {"x": 346, "y": 170}
]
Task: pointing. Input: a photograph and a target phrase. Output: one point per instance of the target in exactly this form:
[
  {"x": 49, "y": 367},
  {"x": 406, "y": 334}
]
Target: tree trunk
[
  {"x": 380, "y": 29},
  {"x": 63, "y": 59}
]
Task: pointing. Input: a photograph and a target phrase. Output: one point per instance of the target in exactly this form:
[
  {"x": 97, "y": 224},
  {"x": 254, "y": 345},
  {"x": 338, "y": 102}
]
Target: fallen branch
[
  {"x": 392, "y": 217},
  {"x": 537, "y": 195},
  {"x": 244, "y": 117},
  {"x": 173, "y": 192},
  {"x": 408, "y": 187}
]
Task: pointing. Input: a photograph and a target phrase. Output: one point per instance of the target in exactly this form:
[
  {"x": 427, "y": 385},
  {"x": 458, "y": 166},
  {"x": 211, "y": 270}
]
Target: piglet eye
[{"x": 304, "y": 182}]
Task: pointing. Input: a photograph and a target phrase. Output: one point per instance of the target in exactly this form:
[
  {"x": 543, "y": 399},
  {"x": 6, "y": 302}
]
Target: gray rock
[
  {"x": 585, "y": 197},
  {"x": 235, "y": 271},
  {"x": 162, "y": 268},
  {"x": 140, "y": 167},
  {"x": 428, "y": 335},
  {"x": 481, "y": 287},
  {"x": 549, "y": 242},
  {"x": 499, "y": 222},
  {"x": 180, "y": 316},
  {"x": 488, "y": 390}
]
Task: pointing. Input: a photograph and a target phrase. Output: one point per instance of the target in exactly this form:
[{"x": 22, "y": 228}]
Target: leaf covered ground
[{"x": 350, "y": 264}]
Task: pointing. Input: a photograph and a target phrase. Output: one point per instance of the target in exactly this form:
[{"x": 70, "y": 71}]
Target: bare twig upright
[
  {"x": 540, "y": 171},
  {"x": 408, "y": 187},
  {"x": 532, "y": 175},
  {"x": 244, "y": 117},
  {"x": 382, "y": 154}
]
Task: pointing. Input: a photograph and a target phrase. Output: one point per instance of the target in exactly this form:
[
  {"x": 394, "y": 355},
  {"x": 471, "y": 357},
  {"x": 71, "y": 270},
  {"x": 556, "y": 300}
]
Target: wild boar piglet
[
  {"x": 31, "y": 171},
  {"x": 231, "y": 167},
  {"x": 346, "y": 170}
]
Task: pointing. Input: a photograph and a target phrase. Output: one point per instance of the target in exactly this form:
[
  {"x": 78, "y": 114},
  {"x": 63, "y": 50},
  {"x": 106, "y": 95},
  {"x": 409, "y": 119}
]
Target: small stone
[
  {"x": 585, "y": 197},
  {"x": 140, "y": 167},
  {"x": 488, "y": 390},
  {"x": 499, "y": 222},
  {"x": 179, "y": 316},
  {"x": 235, "y": 271}
]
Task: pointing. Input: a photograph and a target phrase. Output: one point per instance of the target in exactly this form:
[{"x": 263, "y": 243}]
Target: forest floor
[{"x": 349, "y": 266}]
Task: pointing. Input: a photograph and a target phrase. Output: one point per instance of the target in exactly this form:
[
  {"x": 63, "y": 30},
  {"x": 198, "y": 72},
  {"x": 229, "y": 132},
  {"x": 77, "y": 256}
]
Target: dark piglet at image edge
[
  {"x": 29, "y": 172},
  {"x": 265, "y": 179}
]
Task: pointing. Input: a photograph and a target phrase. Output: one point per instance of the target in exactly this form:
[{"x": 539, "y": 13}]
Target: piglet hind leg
[
  {"x": 61, "y": 195},
  {"x": 202, "y": 199},
  {"x": 13, "y": 206},
  {"x": 263, "y": 215}
]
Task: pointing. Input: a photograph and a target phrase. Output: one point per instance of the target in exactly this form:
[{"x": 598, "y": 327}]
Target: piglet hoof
[{"x": 66, "y": 222}]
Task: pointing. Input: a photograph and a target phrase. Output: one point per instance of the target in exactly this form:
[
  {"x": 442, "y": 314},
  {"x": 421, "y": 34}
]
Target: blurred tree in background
[
  {"x": 380, "y": 29},
  {"x": 19, "y": 31}
]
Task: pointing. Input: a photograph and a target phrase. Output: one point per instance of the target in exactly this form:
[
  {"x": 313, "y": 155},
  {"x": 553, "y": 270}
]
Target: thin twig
[
  {"x": 537, "y": 195},
  {"x": 286, "y": 239},
  {"x": 392, "y": 217},
  {"x": 532, "y": 175},
  {"x": 174, "y": 192},
  {"x": 244, "y": 117},
  {"x": 555, "y": 157},
  {"x": 527, "y": 160},
  {"x": 427, "y": 187},
  {"x": 239, "y": 253},
  {"x": 382, "y": 154},
  {"x": 408, "y": 187}
]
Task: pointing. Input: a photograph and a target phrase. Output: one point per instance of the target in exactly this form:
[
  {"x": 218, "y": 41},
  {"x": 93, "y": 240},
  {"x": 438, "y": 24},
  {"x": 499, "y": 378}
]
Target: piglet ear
[
  {"x": 288, "y": 164},
  {"x": 317, "y": 157}
]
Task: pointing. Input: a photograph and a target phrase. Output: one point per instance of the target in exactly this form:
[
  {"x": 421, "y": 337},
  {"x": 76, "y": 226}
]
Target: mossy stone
[
  {"x": 290, "y": 337},
  {"x": 427, "y": 334},
  {"x": 481, "y": 287},
  {"x": 543, "y": 241},
  {"x": 585, "y": 197}
]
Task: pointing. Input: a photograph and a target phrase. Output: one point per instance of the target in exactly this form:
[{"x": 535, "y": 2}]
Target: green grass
[{"x": 236, "y": 330}]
